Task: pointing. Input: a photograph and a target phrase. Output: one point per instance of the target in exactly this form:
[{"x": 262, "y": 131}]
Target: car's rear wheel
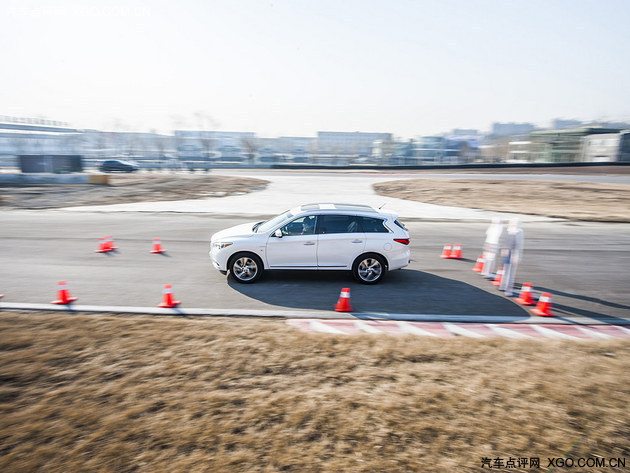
[
  {"x": 246, "y": 268},
  {"x": 369, "y": 268}
]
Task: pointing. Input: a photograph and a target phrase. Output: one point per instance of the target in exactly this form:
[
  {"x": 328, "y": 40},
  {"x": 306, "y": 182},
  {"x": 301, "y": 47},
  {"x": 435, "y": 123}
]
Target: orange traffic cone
[
  {"x": 167, "y": 300},
  {"x": 479, "y": 264},
  {"x": 109, "y": 242},
  {"x": 446, "y": 252},
  {"x": 457, "y": 251},
  {"x": 525, "y": 297},
  {"x": 343, "y": 304},
  {"x": 102, "y": 246},
  {"x": 157, "y": 246},
  {"x": 63, "y": 294},
  {"x": 543, "y": 308},
  {"x": 498, "y": 277}
]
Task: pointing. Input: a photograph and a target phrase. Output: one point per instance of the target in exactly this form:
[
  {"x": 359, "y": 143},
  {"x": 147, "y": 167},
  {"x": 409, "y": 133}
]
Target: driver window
[{"x": 300, "y": 226}]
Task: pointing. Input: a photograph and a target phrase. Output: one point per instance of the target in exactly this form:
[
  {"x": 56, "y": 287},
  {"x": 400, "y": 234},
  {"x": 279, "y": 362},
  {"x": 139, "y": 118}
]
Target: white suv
[{"x": 315, "y": 236}]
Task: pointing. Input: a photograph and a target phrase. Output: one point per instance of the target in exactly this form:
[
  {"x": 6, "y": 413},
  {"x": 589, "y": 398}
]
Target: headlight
[{"x": 219, "y": 245}]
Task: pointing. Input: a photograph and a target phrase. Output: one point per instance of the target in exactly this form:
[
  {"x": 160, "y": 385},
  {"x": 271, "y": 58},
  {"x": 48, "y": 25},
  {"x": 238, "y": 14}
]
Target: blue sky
[{"x": 292, "y": 68}]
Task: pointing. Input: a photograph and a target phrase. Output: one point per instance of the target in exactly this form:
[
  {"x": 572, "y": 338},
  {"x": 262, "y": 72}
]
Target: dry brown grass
[
  {"x": 128, "y": 188},
  {"x": 92, "y": 393},
  {"x": 572, "y": 200}
]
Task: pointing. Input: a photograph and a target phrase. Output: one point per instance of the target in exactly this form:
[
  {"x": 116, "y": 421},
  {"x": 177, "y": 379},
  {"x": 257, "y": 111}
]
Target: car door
[
  {"x": 339, "y": 241},
  {"x": 297, "y": 248}
]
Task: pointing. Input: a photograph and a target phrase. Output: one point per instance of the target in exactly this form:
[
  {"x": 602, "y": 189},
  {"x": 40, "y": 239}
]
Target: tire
[
  {"x": 369, "y": 268},
  {"x": 246, "y": 268}
]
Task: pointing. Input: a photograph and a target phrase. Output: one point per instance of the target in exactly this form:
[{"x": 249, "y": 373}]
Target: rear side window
[
  {"x": 338, "y": 224},
  {"x": 373, "y": 225},
  {"x": 400, "y": 224}
]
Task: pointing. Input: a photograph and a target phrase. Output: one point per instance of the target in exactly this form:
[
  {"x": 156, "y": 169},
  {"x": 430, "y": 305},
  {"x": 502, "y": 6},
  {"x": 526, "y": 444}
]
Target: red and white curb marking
[{"x": 471, "y": 330}]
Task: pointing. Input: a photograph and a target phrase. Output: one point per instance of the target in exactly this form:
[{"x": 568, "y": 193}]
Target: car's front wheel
[
  {"x": 246, "y": 268},
  {"x": 369, "y": 269}
]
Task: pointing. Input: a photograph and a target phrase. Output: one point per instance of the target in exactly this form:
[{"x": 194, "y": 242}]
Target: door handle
[
  {"x": 357, "y": 241},
  {"x": 309, "y": 243}
]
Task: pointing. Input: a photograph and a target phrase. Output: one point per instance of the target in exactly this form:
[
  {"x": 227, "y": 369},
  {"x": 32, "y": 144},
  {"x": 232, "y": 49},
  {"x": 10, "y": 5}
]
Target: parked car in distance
[
  {"x": 118, "y": 165},
  {"x": 348, "y": 237}
]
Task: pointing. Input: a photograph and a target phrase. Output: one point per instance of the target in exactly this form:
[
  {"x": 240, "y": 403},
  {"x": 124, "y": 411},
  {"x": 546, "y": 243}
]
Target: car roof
[
  {"x": 335, "y": 206},
  {"x": 341, "y": 207}
]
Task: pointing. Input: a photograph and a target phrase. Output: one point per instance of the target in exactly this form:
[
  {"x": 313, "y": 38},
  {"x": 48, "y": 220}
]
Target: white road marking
[
  {"x": 550, "y": 333},
  {"x": 593, "y": 333},
  {"x": 459, "y": 330},
  {"x": 506, "y": 332},
  {"x": 624, "y": 329},
  {"x": 406, "y": 327},
  {"x": 366, "y": 327},
  {"x": 318, "y": 326}
]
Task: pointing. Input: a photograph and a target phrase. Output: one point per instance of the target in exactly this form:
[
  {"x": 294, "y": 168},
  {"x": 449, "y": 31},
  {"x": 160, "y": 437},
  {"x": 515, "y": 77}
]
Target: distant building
[
  {"x": 349, "y": 143},
  {"x": 464, "y": 132},
  {"x": 560, "y": 124},
  {"x": 97, "y": 145},
  {"x": 205, "y": 145},
  {"x": 520, "y": 151},
  {"x": 296, "y": 144},
  {"x": 562, "y": 146},
  {"x": 437, "y": 150},
  {"x": 607, "y": 147},
  {"x": 31, "y": 136},
  {"x": 468, "y": 145},
  {"x": 509, "y": 129}
]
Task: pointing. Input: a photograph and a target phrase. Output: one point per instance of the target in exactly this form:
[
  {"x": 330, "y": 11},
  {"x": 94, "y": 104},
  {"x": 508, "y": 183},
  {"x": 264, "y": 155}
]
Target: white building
[
  {"x": 196, "y": 144},
  {"x": 355, "y": 143},
  {"x": 608, "y": 147},
  {"x": 21, "y": 136}
]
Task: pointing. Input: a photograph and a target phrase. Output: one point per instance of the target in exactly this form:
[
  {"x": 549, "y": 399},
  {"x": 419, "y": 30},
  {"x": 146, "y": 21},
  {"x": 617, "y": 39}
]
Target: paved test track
[{"x": 584, "y": 266}]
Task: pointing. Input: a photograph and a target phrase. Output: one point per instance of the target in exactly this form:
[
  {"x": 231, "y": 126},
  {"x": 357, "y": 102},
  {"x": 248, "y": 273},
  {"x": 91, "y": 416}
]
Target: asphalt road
[{"x": 583, "y": 265}]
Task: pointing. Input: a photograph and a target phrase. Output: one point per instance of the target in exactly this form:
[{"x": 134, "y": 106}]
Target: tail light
[{"x": 404, "y": 241}]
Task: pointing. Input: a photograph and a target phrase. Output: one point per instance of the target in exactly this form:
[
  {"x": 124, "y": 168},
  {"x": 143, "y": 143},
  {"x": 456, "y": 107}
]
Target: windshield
[{"x": 270, "y": 224}]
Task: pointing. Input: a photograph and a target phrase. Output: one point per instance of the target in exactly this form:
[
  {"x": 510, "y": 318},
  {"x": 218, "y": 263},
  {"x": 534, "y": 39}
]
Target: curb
[{"x": 287, "y": 314}]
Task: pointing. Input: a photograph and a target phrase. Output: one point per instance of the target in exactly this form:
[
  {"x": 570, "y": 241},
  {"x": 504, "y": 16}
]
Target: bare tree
[
  {"x": 251, "y": 146},
  {"x": 205, "y": 121},
  {"x": 388, "y": 147},
  {"x": 158, "y": 144}
]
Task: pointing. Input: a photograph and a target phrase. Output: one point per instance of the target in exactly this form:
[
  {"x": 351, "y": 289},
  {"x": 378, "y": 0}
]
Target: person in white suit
[
  {"x": 491, "y": 246},
  {"x": 512, "y": 253}
]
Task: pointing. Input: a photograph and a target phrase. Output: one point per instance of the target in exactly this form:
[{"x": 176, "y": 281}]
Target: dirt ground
[
  {"x": 124, "y": 189},
  {"x": 89, "y": 393},
  {"x": 570, "y": 200}
]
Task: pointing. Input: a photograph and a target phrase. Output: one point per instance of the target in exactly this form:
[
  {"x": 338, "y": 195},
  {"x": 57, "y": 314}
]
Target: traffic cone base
[
  {"x": 446, "y": 252},
  {"x": 168, "y": 300},
  {"x": 168, "y": 305},
  {"x": 102, "y": 246},
  {"x": 457, "y": 251},
  {"x": 498, "y": 277},
  {"x": 63, "y": 294},
  {"x": 111, "y": 244},
  {"x": 479, "y": 264},
  {"x": 525, "y": 297},
  {"x": 157, "y": 246},
  {"x": 543, "y": 308},
  {"x": 343, "y": 304}
]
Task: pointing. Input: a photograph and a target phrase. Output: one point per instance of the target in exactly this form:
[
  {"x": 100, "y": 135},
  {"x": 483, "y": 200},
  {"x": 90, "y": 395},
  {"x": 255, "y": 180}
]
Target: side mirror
[{"x": 278, "y": 233}]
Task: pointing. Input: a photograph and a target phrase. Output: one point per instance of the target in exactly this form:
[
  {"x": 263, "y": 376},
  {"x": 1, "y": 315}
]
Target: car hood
[{"x": 239, "y": 231}]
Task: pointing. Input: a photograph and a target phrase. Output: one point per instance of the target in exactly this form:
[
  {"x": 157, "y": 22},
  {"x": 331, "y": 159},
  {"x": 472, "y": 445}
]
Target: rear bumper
[{"x": 399, "y": 259}]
